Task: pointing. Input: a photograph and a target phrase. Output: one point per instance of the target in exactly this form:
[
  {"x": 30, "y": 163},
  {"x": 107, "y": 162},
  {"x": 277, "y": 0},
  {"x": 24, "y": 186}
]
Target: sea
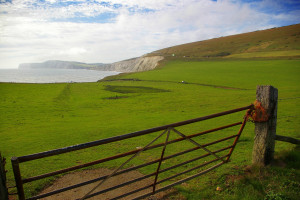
[{"x": 52, "y": 75}]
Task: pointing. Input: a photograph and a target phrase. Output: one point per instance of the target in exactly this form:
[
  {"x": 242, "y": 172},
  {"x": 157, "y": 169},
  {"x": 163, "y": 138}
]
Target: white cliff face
[
  {"x": 137, "y": 64},
  {"x": 143, "y": 63}
]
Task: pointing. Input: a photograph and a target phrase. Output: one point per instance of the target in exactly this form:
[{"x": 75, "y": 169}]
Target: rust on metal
[
  {"x": 246, "y": 117},
  {"x": 258, "y": 112}
]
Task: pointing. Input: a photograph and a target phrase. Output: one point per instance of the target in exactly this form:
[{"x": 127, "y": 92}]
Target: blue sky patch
[{"x": 101, "y": 18}]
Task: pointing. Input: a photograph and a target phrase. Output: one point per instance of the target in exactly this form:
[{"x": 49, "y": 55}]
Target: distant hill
[
  {"x": 275, "y": 42},
  {"x": 283, "y": 42},
  {"x": 58, "y": 64}
]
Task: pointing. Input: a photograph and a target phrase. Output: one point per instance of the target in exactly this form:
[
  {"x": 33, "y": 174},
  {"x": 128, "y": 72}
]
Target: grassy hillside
[
  {"x": 275, "y": 42},
  {"x": 41, "y": 117}
]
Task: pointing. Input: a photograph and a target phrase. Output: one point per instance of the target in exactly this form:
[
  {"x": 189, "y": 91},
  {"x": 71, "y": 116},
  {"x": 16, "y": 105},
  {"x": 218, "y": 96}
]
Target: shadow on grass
[
  {"x": 133, "y": 89},
  {"x": 288, "y": 159}
]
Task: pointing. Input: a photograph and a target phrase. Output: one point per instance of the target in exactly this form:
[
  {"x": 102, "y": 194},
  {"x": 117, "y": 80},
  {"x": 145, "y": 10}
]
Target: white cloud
[
  {"x": 49, "y": 31},
  {"x": 74, "y": 51}
]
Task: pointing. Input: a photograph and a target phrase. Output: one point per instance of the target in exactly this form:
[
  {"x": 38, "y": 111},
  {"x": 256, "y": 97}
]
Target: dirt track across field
[{"x": 81, "y": 176}]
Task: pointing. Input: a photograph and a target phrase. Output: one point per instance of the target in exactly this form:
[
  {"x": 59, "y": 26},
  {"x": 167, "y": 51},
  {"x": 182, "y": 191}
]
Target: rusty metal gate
[{"x": 157, "y": 185}]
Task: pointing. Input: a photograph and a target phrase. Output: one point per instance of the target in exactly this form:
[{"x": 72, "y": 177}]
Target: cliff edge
[{"x": 143, "y": 63}]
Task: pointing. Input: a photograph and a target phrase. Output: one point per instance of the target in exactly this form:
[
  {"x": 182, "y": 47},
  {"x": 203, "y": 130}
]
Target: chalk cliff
[{"x": 143, "y": 63}]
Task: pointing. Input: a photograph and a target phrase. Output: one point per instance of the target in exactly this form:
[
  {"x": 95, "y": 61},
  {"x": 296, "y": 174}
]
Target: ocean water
[{"x": 52, "y": 75}]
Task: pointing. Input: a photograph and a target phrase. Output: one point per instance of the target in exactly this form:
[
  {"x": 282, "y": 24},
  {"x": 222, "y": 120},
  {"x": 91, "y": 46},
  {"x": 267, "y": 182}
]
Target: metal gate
[{"x": 218, "y": 158}]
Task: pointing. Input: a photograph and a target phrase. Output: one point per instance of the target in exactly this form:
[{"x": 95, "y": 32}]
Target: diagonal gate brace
[
  {"x": 88, "y": 195},
  {"x": 197, "y": 144}
]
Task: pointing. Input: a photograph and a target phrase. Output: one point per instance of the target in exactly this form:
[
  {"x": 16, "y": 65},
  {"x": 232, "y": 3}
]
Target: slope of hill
[{"x": 275, "y": 42}]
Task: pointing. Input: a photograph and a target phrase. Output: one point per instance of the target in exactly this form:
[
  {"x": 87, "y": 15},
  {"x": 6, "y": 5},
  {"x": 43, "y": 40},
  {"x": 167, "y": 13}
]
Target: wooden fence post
[
  {"x": 265, "y": 132},
  {"x": 3, "y": 187}
]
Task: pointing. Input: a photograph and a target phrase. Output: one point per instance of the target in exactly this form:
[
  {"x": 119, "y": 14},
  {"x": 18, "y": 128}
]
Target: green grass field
[{"x": 41, "y": 117}]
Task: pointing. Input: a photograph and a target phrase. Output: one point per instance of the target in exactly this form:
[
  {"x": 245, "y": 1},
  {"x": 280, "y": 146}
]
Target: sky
[{"x": 94, "y": 31}]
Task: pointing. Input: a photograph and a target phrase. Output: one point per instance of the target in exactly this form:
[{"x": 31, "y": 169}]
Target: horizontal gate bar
[
  {"x": 189, "y": 161},
  {"x": 161, "y": 171},
  {"x": 101, "y": 178},
  {"x": 121, "y": 155},
  {"x": 121, "y": 172},
  {"x": 143, "y": 188},
  {"x": 179, "y": 182},
  {"x": 125, "y": 136},
  {"x": 120, "y": 185},
  {"x": 132, "y": 192},
  {"x": 192, "y": 169}
]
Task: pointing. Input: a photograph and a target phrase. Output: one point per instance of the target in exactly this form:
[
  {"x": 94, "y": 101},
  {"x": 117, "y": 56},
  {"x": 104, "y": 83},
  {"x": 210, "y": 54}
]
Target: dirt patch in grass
[
  {"x": 116, "y": 97},
  {"x": 81, "y": 176}
]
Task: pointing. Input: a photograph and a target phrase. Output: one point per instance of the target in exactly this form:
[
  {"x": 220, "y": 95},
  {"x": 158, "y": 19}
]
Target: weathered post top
[{"x": 265, "y": 132}]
